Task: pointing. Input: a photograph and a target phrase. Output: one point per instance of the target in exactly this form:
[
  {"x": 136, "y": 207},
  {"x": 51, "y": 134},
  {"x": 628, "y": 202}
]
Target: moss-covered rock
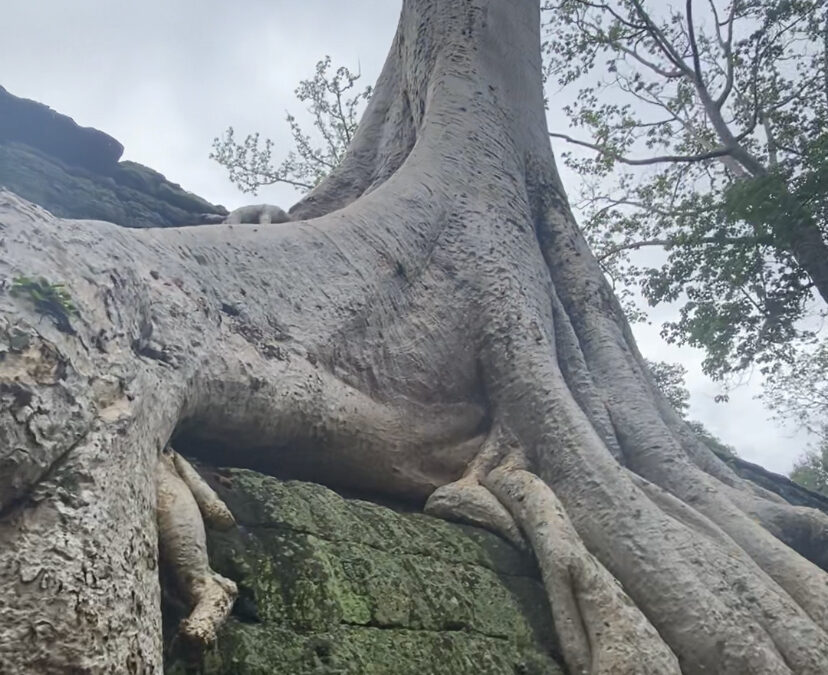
[{"x": 334, "y": 585}]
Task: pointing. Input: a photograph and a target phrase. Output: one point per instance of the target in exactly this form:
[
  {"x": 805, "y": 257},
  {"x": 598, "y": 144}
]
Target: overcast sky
[{"x": 165, "y": 77}]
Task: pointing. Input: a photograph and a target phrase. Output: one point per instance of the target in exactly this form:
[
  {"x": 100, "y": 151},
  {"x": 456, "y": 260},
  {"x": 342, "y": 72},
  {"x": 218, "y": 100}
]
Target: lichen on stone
[{"x": 333, "y": 585}]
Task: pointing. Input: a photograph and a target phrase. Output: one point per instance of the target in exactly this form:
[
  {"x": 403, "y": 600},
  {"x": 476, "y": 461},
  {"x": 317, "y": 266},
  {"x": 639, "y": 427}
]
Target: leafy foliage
[
  {"x": 705, "y": 142},
  {"x": 51, "y": 299},
  {"x": 712, "y": 441},
  {"x": 669, "y": 378},
  {"x": 335, "y": 106},
  {"x": 811, "y": 470},
  {"x": 799, "y": 391}
]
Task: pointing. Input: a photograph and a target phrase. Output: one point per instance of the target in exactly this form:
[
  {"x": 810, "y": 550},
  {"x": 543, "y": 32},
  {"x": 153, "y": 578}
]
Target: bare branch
[
  {"x": 599, "y": 36},
  {"x": 773, "y": 158},
  {"x": 717, "y": 23},
  {"x": 670, "y": 212},
  {"x": 622, "y": 20},
  {"x": 327, "y": 134},
  {"x": 727, "y": 50},
  {"x": 343, "y": 119},
  {"x": 825, "y": 57},
  {"x": 694, "y": 47},
  {"x": 713, "y": 154},
  {"x": 731, "y": 19},
  {"x": 672, "y": 243},
  {"x": 669, "y": 74},
  {"x": 287, "y": 181},
  {"x": 305, "y": 148},
  {"x": 661, "y": 40}
]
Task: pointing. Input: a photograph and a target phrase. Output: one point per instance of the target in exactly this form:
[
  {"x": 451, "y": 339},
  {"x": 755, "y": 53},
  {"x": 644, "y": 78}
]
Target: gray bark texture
[{"x": 430, "y": 318}]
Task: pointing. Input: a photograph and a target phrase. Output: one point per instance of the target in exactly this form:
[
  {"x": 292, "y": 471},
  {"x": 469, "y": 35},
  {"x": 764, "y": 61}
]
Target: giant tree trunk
[{"x": 433, "y": 312}]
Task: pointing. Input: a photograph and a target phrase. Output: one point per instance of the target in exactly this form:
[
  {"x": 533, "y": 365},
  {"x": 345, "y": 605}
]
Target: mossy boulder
[{"x": 334, "y": 585}]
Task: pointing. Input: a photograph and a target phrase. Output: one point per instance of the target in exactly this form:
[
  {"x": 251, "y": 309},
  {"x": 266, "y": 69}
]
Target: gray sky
[{"x": 165, "y": 77}]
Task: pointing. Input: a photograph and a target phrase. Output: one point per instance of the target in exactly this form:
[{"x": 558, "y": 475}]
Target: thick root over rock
[
  {"x": 183, "y": 546},
  {"x": 213, "y": 509},
  {"x": 261, "y": 214},
  {"x": 467, "y": 501},
  {"x": 600, "y": 628}
]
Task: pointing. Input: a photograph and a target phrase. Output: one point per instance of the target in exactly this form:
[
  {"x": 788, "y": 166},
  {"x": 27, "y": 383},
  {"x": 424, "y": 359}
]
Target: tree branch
[
  {"x": 727, "y": 50},
  {"x": 341, "y": 113},
  {"x": 616, "y": 15},
  {"x": 287, "y": 181},
  {"x": 599, "y": 36},
  {"x": 716, "y": 22},
  {"x": 664, "y": 212},
  {"x": 713, "y": 154},
  {"x": 694, "y": 47},
  {"x": 661, "y": 40},
  {"x": 773, "y": 155},
  {"x": 668, "y": 74},
  {"x": 731, "y": 19},
  {"x": 825, "y": 57},
  {"x": 672, "y": 243}
]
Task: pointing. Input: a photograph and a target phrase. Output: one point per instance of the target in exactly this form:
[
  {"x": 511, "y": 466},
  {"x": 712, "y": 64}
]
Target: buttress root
[
  {"x": 600, "y": 628},
  {"x": 185, "y": 501}
]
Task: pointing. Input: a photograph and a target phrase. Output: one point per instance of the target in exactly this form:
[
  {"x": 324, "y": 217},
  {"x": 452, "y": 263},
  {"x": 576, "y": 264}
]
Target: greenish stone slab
[{"x": 333, "y": 585}]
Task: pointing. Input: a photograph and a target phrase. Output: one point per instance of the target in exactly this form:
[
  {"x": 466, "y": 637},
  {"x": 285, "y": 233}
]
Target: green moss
[
  {"x": 358, "y": 650},
  {"x": 346, "y": 586},
  {"x": 50, "y": 299}
]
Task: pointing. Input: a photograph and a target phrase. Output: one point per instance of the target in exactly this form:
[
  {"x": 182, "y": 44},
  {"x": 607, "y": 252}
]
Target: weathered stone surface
[
  {"x": 57, "y": 135},
  {"x": 74, "y": 172},
  {"x": 335, "y": 585},
  {"x": 781, "y": 485}
]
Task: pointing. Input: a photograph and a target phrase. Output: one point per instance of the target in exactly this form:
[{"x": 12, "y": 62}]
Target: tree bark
[{"x": 434, "y": 299}]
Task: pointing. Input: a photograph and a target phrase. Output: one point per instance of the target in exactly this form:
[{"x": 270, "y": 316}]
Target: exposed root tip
[
  {"x": 217, "y": 595},
  {"x": 468, "y": 502},
  {"x": 213, "y": 509},
  {"x": 183, "y": 548}
]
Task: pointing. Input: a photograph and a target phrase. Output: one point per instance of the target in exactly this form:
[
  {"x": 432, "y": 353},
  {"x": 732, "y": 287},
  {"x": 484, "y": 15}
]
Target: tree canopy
[
  {"x": 811, "y": 470},
  {"x": 704, "y": 137}
]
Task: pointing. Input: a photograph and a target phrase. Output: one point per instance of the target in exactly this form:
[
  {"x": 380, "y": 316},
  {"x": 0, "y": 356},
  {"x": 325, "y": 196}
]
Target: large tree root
[
  {"x": 183, "y": 547},
  {"x": 441, "y": 285},
  {"x": 467, "y": 501},
  {"x": 600, "y": 628},
  {"x": 213, "y": 509},
  {"x": 802, "y": 528}
]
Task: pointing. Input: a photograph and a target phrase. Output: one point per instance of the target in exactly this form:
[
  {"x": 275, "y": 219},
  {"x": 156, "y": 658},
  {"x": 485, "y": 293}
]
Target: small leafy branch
[
  {"x": 50, "y": 299},
  {"x": 335, "y": 105}
]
